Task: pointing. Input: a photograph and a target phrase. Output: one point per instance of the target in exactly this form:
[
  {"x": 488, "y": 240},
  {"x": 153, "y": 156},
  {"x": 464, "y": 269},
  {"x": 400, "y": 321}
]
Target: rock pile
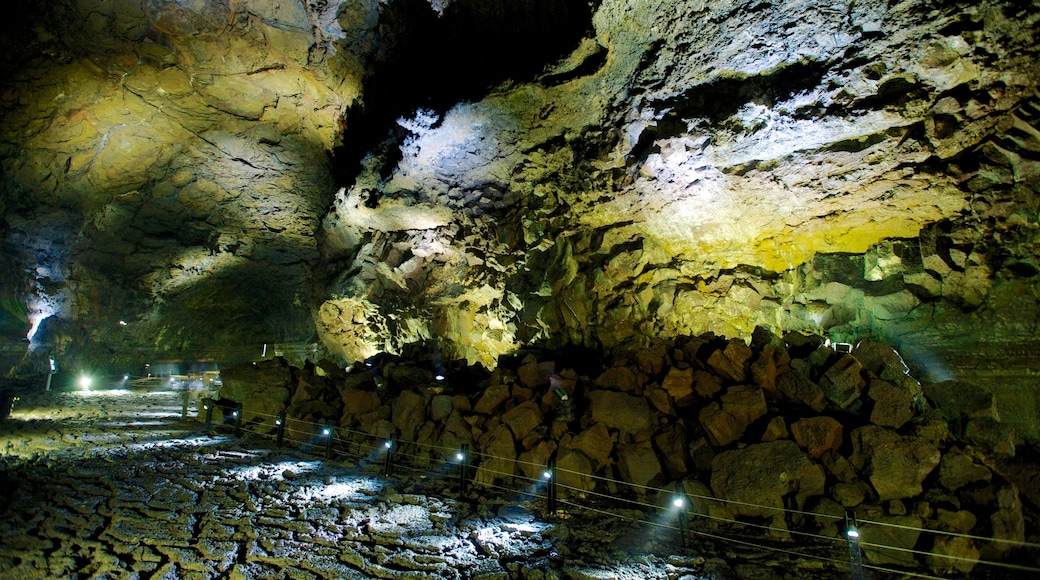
[{"x": 779, "y": 424}]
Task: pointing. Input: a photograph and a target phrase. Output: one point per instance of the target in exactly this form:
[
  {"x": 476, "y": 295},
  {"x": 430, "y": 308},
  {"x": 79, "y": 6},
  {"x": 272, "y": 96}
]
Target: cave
[{"x": 519, "y": 289}]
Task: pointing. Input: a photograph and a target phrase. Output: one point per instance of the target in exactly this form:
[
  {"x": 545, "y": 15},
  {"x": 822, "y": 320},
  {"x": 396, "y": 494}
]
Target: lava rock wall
[{"x": 780, "y": 424}]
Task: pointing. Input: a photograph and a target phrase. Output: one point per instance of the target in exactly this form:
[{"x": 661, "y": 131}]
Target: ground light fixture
[{"x": 84, "y": 382}]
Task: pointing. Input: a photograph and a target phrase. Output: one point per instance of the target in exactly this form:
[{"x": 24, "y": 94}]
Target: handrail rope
[
  {"x": 618, "y": 516},
  {"x": 902, "y": 572},
  {"x": 949, "y": 557},
  {"x": 354, "y": 442},
  {"x": 1018, "y": 543},
  {"x": 510, "y": 459},
  {"x": 504, "y": 474},
  {"x": 511, "y": 491},
  {"x": 728, "y": 539},
  {"x": 613, "y": 480},
  {"x": 611, "y": 497},
  {"x": 696, "y": 496},
  {"x": 771, "y": 528},
  {"x": 434, "y": 446},
  {"x": 716, "y": 518}
]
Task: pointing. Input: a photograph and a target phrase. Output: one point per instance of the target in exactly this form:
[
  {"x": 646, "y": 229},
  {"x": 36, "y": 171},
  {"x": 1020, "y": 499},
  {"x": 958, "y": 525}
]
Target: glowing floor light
[{"x": 84, "y": 382}]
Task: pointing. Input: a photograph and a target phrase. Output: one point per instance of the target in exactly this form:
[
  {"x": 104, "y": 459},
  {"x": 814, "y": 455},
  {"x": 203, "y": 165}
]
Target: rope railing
[
  {"x": 481, "y": 464},
  {"x": 1015, "y": 543}
]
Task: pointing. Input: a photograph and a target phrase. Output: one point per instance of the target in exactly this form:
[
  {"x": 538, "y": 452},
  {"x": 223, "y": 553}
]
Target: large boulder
[
  {"x": 843, "y": 381},
  {"x": 893, "y": 404},
  {"x": 817, "y": 435},
  {"x": 896, "y": 465},
  {"x": 264, "y": 388},
  {"x": 763, "y": 475},
  {"x": 626, "y": 413},
  {"x": 639, "y": 465}
]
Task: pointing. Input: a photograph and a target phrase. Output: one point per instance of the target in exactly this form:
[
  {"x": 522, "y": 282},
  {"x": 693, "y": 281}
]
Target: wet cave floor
[{"x": 117, "y": 484}]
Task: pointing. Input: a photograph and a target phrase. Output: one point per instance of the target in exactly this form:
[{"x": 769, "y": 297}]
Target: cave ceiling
[{"x": 196, "y": 179}]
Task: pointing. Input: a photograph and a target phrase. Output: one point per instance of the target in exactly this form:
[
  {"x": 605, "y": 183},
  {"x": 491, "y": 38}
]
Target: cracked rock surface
[{"x": 112, "y": 484}]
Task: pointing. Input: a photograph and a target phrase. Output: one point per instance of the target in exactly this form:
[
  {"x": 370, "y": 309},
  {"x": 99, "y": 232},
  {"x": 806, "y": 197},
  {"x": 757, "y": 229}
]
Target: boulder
[
  {"x": 731, "y": 362},
  {"x": 763, "y": 370},
  {"x": 951, "y": 555},
  {"x": 896, "y": 465},
  {"x": 408, "y": 413},
  {"x": 499, "y": 461},
  {"x": 522, "y": 419},
  {"x": 746, "y": 403},
  {"x": 1007, "y": 523},
  {"x": 848, "y": 494},
  {"x": 573, "y": 471},
  {"x": 626, "y": 413},
  {"x": 957, "y": 469},
  {"x": 440, "y": 407},
  {"x": 892, "y": 404},
  {"x": 263, "y": 388},
  {"x": 843, "y": 381},
  {"x": 817, "y": 435},
  {"x": 357, "y": 403},
  {"x": 763, "y": 475},
  {"x": 721, "y": 427},
  {"x": 536, "y": 374},
  {"x": 899, "y": 532},
  {"x": 775, "y": 429},
  {"x": 638, "y": 465},
  {"x": 661, "y": 401},
  {"x": 706, "y": 384},
  {"x": 671, "y": 442},
  {"x": 883, "y": 362},
  {"x": 619, "y": 379},
  {"x": 679, "y": 385},
  {"x": 534, "y": 461},
  {"x": 595, "y": 443},
  {"x": 493, "y": 396},
  {"x": 959, "y": 401},
  {"x": 990, "y": 435},
  {"x": 799, "y": 389}
]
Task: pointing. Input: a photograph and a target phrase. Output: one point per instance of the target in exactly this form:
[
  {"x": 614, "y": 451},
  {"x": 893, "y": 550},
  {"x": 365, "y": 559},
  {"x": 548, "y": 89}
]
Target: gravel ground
[{"x": 114, "y": 484}]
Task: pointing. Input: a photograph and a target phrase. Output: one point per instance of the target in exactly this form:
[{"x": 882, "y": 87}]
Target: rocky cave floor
[{"x": 115, "y": 484}]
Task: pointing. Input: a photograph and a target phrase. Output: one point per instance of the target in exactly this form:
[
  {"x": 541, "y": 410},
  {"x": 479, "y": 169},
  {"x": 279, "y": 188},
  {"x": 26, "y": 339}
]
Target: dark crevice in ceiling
[{"x": 430, "y": 61}]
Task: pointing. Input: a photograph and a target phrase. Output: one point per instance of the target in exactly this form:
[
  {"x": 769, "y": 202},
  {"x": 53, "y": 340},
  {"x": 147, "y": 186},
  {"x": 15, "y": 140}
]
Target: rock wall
[
  {"x": 192, "y": 181},
  {"x": 778, "y": 423}
]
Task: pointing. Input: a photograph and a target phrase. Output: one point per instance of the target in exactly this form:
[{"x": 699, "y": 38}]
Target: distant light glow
[
  {"x": 547, "y": 475},
  {"x": 84, "y": 382},
  {"x": 122, "y": 323},
  {"x": 678, "y": 502},
  {"x": 853, "y": 534},
  {"x": 439, "y": 377},
  {"x": 459, "y": 456},
  {"x": 326, "y": 431},
  {"x": 388, "y": 444}
]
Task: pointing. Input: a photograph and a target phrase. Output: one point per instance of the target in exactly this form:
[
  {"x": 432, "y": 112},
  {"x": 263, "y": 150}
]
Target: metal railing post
[
  {"x": 464, "y": 468},
  {"x": 680, "y": 502},
  {"x": 207, "y": 406},
  {"x": 550, "y": 475},
  {"x": 330, "y": 434},
  {"x": 279, "y": 422},
  {"x": 391, "y": 446},
  {"x": 184, "y": 405},
  {"x": 855, "y": 555}
]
